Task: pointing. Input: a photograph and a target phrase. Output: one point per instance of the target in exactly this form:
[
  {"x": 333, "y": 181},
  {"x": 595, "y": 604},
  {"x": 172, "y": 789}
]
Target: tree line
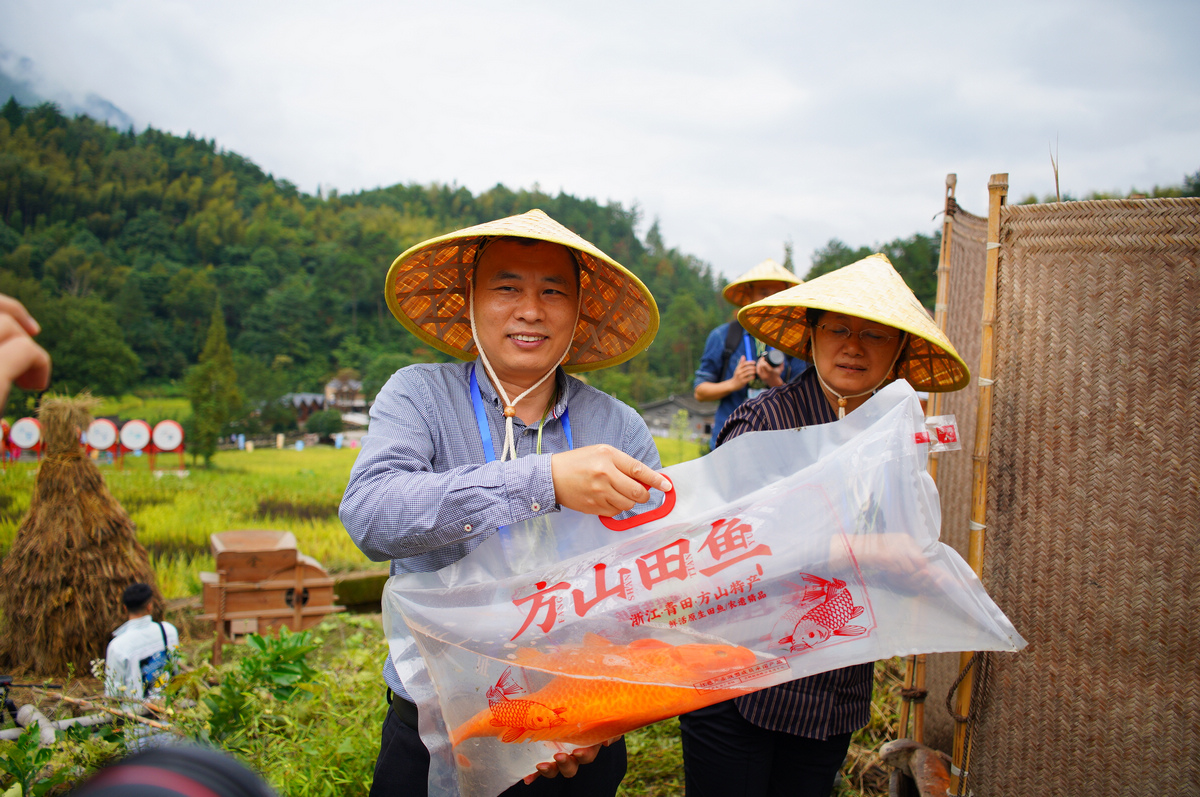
[{"x": 123, "y": 244}]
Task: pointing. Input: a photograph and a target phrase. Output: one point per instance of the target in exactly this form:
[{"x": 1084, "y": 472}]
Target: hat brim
[
  {"x": 737, "y": 292},
  {"x": 427, "y": 287},
  {"x": 865, "y": 290}
]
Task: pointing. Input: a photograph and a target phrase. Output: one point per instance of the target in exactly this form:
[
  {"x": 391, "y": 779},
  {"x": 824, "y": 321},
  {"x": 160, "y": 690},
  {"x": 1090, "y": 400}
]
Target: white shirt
[{"x": 131, "y": 655}]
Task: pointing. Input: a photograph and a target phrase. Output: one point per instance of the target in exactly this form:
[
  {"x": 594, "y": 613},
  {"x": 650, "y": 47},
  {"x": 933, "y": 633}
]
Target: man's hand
[
  {"x": 772, "y": 376},
  {"x": 21, "y": 360},
  {"x": 601, "y": 480},
  {"x": 568, "y": 765}
]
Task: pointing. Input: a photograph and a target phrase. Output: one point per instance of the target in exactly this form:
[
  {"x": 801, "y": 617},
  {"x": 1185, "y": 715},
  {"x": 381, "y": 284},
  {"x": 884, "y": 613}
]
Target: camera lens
[{"x": 774, "y": 358}]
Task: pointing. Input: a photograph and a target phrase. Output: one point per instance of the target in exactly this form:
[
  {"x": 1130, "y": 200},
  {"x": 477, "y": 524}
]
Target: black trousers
[
  {"x": 402, "y": 769},
  {"x": 725, "y": 754}
]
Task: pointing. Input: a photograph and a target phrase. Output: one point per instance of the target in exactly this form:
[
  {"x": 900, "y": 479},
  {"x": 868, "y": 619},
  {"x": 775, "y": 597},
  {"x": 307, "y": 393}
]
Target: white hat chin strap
[
  {"x": 510, "y": 407},
  {"x": 842, "y": 399}
]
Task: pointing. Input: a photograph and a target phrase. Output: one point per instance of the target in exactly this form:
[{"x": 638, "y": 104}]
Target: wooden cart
[{"x": 254, "y": 591}]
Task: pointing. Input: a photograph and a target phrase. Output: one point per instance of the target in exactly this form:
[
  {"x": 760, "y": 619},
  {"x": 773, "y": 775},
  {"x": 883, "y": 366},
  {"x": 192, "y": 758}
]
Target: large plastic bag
[{"x": 780, "y": 555}]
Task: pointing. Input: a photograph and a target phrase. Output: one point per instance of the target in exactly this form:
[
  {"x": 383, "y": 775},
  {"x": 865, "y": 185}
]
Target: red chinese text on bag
[{"x": 786, "y": 554}]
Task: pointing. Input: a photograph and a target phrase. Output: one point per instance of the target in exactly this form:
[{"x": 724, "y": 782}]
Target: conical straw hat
[
  {"x": 869, "y": 289},
  {"x": 427, "y": 286},
  {"x": 738, "y": 292}
]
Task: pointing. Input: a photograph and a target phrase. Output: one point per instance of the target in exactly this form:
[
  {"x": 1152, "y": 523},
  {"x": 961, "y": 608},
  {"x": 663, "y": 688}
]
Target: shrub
[{"x": 325, "y": 423}]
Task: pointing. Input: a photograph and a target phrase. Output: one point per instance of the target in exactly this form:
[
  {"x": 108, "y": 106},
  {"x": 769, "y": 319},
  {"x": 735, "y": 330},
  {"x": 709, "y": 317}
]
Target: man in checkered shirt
[{"x": 455, "y": 450}]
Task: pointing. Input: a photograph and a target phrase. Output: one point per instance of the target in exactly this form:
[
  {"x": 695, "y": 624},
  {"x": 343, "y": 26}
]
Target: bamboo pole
[
  {"x": 914, "y": 671},
  {"x": 997, "y": 195},
  {"x": 919, "y": 709},
  {"x": 88, "y": 705},
  {"x": 910, "y": 671}
]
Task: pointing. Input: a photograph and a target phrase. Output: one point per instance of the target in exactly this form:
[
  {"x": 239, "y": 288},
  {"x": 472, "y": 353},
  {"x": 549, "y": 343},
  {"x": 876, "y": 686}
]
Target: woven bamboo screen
[
  {"x": 964, "y": 273},
  {"x": 1093, "y": 514}
]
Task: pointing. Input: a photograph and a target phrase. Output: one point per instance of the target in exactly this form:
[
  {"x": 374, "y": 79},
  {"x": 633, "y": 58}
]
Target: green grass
[
  {"x": 673, "y": 451},
  {"x": 323, "y": 740},
  {"x": 150, "y": 409},
  {"x": 655, "y": 761}
]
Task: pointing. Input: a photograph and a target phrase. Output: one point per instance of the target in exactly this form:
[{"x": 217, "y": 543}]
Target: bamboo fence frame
[
  {"x": 1087, "y": 494},
  {"x": 997, "y": 197},
  {"x": 914, "y": 691}
]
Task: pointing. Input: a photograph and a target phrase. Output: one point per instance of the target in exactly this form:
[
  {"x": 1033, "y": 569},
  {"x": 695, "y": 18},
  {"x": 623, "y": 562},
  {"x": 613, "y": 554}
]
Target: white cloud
[{"x": 739, "y": 126}]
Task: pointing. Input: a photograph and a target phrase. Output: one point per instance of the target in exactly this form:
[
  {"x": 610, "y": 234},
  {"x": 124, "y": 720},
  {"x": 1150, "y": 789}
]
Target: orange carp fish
[{"x": 601, "y": 690}]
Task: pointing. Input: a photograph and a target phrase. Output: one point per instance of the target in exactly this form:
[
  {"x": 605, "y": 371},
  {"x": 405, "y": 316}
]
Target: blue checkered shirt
[{"x": 422, "y": 493}]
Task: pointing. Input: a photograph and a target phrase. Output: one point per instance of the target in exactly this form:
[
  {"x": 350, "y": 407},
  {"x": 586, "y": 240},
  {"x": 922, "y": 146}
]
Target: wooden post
[
  {"x": 919, "y": 708},
  {"x": 298, "y": 601},
  {"x": 219, "y": 636},
  {"x": 910, "y": 672},
  {"x": 997, "y": 196}
]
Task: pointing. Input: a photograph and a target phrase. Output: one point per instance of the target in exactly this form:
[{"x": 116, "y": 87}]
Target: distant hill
[
  {"x": 22, "y": 89},
  {"x": 120, "y": 243}
]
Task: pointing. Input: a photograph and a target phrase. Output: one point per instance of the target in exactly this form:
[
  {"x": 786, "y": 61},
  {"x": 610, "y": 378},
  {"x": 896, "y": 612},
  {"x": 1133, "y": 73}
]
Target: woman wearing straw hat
[
  {"x": 731, "y": 361},
  {"x": 861, "y": 327},
  {"x": 456, "y": 450}
]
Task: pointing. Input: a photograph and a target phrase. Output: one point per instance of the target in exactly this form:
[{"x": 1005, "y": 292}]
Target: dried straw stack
[{"x": 75, "y": 552}]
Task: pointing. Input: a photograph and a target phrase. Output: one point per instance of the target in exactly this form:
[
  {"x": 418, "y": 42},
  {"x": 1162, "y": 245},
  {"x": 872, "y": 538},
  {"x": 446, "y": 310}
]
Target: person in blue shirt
[
  {"x": 456, "y": 450},
  {"x": 735, "y": 367}
]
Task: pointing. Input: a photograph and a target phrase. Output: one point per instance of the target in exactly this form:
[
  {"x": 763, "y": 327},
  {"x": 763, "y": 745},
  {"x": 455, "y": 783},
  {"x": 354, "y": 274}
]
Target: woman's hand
[{"x": 566, "y": 764}]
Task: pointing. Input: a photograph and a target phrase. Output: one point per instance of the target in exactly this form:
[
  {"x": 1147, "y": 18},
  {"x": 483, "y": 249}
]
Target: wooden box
[{"x": 263, "y": 574}]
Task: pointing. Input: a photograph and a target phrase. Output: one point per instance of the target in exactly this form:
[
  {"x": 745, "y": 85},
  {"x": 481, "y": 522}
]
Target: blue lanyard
[
  {"x": 749, "y": 346},
  {"x": 485, "y": 433}
]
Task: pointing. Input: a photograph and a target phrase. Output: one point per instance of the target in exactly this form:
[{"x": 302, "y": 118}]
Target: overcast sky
[{"x": 737, "y": 125}]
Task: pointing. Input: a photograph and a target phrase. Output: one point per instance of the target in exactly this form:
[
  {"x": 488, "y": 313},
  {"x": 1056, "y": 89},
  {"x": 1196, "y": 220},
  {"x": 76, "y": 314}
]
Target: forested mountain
[{"x": 121, "y": 244}]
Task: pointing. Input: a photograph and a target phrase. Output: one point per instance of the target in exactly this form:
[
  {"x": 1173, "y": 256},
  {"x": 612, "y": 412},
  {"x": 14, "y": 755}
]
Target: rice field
[
  {"x": 296, "y": 491},
  {"x": 151, "y": 410},
  {"x": 285, "y": 489}
]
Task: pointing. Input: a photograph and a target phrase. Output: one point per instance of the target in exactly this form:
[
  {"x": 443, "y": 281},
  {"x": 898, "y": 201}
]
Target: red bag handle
[{"x": 645, "y": 517}]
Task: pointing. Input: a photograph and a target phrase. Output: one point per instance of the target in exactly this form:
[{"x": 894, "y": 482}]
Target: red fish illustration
[
  {"x": 518, "y": 716},
  {"x": 823, "y": 612}
]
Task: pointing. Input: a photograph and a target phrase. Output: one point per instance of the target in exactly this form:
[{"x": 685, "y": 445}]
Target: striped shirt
[
  {"x": 422, "y": 493},
  {"x": 828, "y": 703}
]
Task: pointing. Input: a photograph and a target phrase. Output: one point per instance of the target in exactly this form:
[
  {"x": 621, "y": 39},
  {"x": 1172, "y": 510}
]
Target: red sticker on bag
[
  {"x": 946, "y": 434},
  {"x": 921, "y": 437}
]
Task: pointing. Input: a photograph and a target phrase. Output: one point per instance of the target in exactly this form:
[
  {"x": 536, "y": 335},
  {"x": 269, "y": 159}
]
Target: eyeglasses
[{"x": 868, "y": 337}]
